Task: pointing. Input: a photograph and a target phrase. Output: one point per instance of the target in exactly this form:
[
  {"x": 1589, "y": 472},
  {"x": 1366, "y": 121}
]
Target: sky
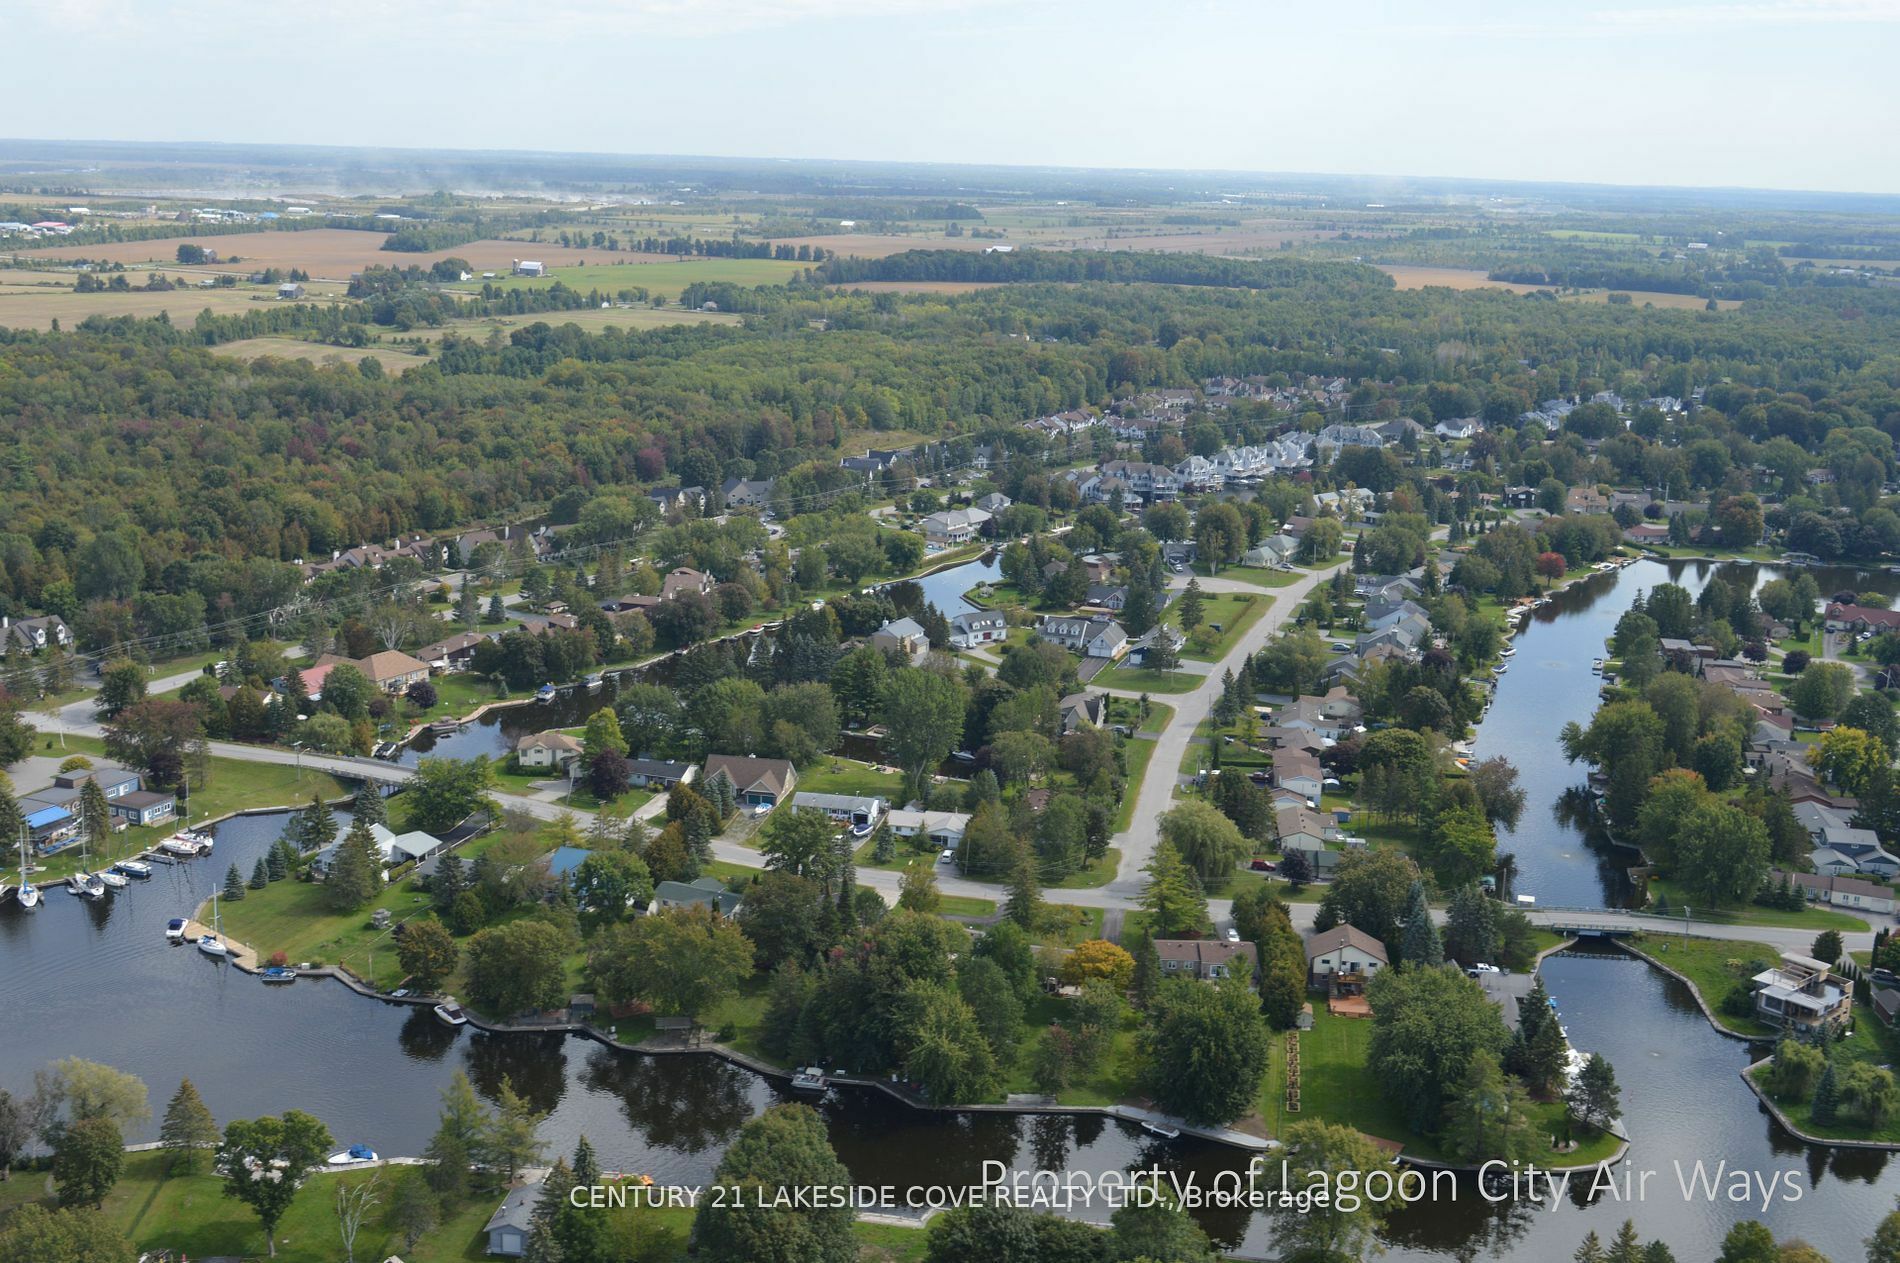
[{"x": 1800, "y": 94}]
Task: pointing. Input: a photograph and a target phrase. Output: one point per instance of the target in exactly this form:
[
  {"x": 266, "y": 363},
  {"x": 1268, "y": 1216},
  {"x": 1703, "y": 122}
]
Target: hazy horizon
[{"x": 1781, "y": 95}]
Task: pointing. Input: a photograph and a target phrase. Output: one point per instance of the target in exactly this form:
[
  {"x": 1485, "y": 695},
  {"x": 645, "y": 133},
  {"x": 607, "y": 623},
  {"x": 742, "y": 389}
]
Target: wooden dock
[{"x": 238, "y": 953}]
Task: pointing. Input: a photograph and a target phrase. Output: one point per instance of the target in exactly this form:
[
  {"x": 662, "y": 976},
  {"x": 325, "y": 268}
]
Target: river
[{"x": 98, "y": 980}]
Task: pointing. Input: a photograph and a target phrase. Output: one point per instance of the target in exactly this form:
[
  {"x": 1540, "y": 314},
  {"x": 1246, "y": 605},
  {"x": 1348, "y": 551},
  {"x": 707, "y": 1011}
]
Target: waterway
[{"x": 98, "y": 980}]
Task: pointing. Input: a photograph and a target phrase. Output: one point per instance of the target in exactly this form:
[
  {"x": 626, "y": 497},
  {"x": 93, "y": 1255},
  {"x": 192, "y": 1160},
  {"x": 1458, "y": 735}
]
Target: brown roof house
[
  {"x": 1202, "y": 958},
  {"x": 1344, "y": 949},
  {"x": 757, "y": 782},
  {"x": 547, "y": 749}
]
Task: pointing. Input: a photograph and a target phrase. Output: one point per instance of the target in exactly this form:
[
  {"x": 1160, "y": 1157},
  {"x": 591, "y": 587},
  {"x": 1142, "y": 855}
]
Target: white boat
[
  {"x": 355, "y": 1153},
  {"x": 29, "y": 895},
  {"x": 1507, "y": 651},
  {"x": 1166, "y": 1133},
  {"x": 175, "y": 930},
  {"x": 450, "y": 1013},
  {"x": 810, "y": 1079},
  {"x": 178, "y": 846},
  {"x": 212, "y": 944},
  {"x": 87, "y": 886},
  {"x": 1596, "y": 666},
  {"x": 139, "y": 870},
  {"x": 113, "y": 880}
]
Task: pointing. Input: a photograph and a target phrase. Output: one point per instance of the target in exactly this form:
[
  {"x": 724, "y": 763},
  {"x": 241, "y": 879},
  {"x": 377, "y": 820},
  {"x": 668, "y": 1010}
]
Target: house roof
[
  {"x": 749, "y": 774},
  {"x": 838, "y": 802},
  {"x": 902, "y": 818},
  {"x": 563, "y": 860},
  {"x": 902, "y": 629},
  {"x": 558, "y": 741},
  {"x": 1204, "y": 952},
  {"x": 517, "y": 1209},
  {"x": 709, "y": 891},
  {"x": 390, "y": 664},
  {"x": 1345, "y": 936}
]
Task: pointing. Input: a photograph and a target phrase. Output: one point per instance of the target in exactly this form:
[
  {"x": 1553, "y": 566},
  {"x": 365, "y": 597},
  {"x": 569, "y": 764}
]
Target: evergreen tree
[
  {"x": 260, "y": 874},
  {"x": 1538, "y": 1052},
  {"x": 1827, "y": 1097},
  {"x": 497, "y": 608},
  {"x": 369, "y": 806},
  {"x": 95, "y": 814},
  {"x": 356, "y": 870},
  {"x": 883, "y": 843},
  {"x": 1420, "y": 943},
  {"x": 233, "y": 884},
  {"x": 1024, "y": 903},
  {"x": 1595, "y": 1097},
  {"x": 467, "y": 611},
  {"x": 1191, "y": 608},
  {"x": 448, "y": 882},
  {"x": 313, "y": 829},
  {"x": 188, "y": 1129},
  {"x": 1147, "y": 972},
  {"x": 276, "y": 867},
  {"x": 543, "y": 1245}
]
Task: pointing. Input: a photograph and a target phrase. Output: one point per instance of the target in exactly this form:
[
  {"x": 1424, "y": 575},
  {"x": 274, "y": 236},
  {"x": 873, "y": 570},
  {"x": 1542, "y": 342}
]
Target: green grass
[
  {"x": 1254, "y": 575},
  {"x": 1113, "y": 1080},
  {"x": 1337, "y": 1087},
  {"x": 834, "y": 775},
  {"x": 1137, "y": 752},
  {"x": 1813, "y": 917},
  {"x": 965, "y": 906},
  {"x": 1714, "y": 966},
  {"x": 1142, "y": 680},
  {"x": 663, "y": 279},
  {"x": 1234, "y": 611},
  {"x": 1096, "y": 873}
]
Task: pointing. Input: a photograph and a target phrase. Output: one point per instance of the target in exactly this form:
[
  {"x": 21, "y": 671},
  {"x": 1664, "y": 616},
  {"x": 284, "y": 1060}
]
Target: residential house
[
  {"x": 1861, "y": 618},
  {"x": 949, "y": 528},
  {"x": 34, "y": 634},
  {"x": 855, "y": 810},
  {"x": 993, "y": 503},
  {"x": 1078, "y": 709},
  {"x": 563, "y": 860},
  {"x": 671, "y": 500},
  {"x": 1096, "y": 637},
  {"x": 1344, "y": 950},
  {"x": 1801, "y": 994},
  {"x": 902, "y": 635},
  {"x": 1305, "y": 739},
  {"x": 1380, "y": 613},
  {"x": 875, "y": 461},
  {"x": 1321, "y": 861},
  {"x": 1149, "y": 481},
  {"x": 1839, "y": 891},
  {"x": 944, "y": 829},
  {"x": 977, "y": 627},
  {"x": 547, "y": 749},
  {"x": 1461, "y": 428},
  {"x": 114, "y": 781},
  {"x": 392, "y": 671},
  {"x": 1585, "y": 500},
  {"x": 1272, "y": 553},
  {"x": 513, "y": 1220},
  {"x": 1333, "y": 715},
  {"x": 1332, "y": 438},
  {"x": 684, "y": 579},
  {"x": 746, "y": 493},
  {"x": 1203, "y": 958},
  {"x": 143, "y": 807},
  {"x": 1299, "y": 827},
  {"x": 452, "y": 654},
  {"x": 1160, "y": 633},
  {"x": 659, "y": 774},
  {"x": 1646, "y": 533},
  {"x": 756, "y": 782},
  {"x": 1297, "y": 526},
  {"x": 705, "y": 892},
  {"x": 1106, "y": 596},
  {"x": 1299, "y": 772}
]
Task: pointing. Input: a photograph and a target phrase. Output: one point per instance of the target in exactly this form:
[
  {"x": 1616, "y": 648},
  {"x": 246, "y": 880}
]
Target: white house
[
  {"x": 547, "y": 749},
  {"x": 944, "y": 829},
  {"x": 1461, "y": 428},
  {"x": 951, "y": 527},
  {"x": 1344, "y": 949},
  {"x": 977, "y": 627}
]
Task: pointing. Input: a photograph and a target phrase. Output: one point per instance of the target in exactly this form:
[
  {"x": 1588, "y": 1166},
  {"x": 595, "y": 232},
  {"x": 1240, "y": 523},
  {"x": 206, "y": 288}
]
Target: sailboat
[
  {"x": 212, "y": 944},
  {"x": 28, "y": 894}
]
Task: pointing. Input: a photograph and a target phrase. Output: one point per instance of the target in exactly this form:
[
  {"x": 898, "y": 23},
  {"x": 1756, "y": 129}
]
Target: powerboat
[
  {"x": 355, "y": 1153},
  {"x": 175, "y": 930},
  {"x": 1165, "y": 1132},
  {"x": 547, "y": 692},
  {"x": 279, "y": 974},
  {"x": 113, "y": 879},
  {"x": 811, "y": 1079},
  {"x": 87, "y": 886},
  {"x": 451, "y": 1014},
  {"x": 138, "y": 870}
]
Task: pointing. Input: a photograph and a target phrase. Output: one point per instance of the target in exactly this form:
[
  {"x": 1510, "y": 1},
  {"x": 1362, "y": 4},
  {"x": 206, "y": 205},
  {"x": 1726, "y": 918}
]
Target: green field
[
  {"x": 834, "y": 775},
  {"x": 1142, "y": 680},
  {"x": 665, "y": 280},
  {"x": 1234, "y": 611},
  {"x": 1813, "y": 917}
]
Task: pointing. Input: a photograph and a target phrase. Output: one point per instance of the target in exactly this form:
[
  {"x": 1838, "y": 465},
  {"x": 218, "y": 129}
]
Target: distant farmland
[
  {"x": 33, "y": 300},
  {"x": 325, "y": 252},
  {"x": 665, "y": 279},
  {"x": 1409, "y": 276}
]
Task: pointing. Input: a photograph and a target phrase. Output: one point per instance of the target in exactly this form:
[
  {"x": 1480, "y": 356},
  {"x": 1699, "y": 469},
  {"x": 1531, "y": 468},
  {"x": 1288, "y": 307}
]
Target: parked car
[{"x": 1263, "y": 866}]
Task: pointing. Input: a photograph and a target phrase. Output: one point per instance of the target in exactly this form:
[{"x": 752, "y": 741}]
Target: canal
[{"x": 98, "y": 980}]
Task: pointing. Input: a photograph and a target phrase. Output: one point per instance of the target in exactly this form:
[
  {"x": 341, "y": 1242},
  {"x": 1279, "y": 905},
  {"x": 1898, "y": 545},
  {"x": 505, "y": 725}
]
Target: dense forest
[{"x": 139, "y": 461}]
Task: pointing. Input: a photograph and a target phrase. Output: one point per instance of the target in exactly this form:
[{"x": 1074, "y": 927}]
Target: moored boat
[
  {"x": 811, "y": 1079},
  {"x": 175, "y": 929},
  {"x": 451, "y": 1014},
  {"x": 86, "y": 886},
  {"x": 29, "y": 895},
  {"x": 113, "y": 879},
  {"x": 279, "y": 974},
  {"x": 137, "y": 870},
  {"x": 1165, "y": 1132},
  {"x": 355, "y": 1153}
]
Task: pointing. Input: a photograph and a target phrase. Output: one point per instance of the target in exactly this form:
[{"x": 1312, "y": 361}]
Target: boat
[
  {"x": 279, "y": 974},
  {"x": 137, "y": 870},
  {"x": 1508, "y": 651},
  {"x": 28, "y": 894},
  {"x": 1165, "y": 1132},
  {"x": 443, "y": 727},
  {"x": 178, "y": 846},
  {"x": 1596, "y": 666},
  {"x": 810, "y": 1079},
  {"x": 87, "y": 886},
  {"x": 547, "y": 693},
  {"x": 212, "y": 944},
  {"x": 355, "y": 1153},
  {"x": 175, "y": 929},
  {"x": 450, "y": 1013},
  {"x": 113, "y": 879}
]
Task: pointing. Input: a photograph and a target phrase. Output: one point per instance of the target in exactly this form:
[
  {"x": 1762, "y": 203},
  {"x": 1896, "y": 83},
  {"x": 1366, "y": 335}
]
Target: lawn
[
  {"x": 293, "y": 917},
  {"x": 1715, "y": 966},
  {"x": 1114, "y": 1079},
  {"x": 836, "y": 775},
  {"x": 1255, "y": 575},
  {"x": 662, "y": 279},
  {"x": 1811, "y": 917},
  {"x": 1137, "y": 753},
  {"x": 1234, "y": 611},
  {"x": 1142, "y": 680},
  {"x": 1870, "y": 1042},
  {"x": 1337, "y": 1087}
]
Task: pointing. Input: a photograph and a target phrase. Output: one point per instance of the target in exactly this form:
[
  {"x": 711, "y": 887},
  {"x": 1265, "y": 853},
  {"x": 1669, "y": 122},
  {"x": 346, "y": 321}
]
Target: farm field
[
  {"x": 592, "y": 319},
  {"x": 395, "y": 360},
  {"x": 666, "y": 278},
  {"x": 1410, "y": 276},
  {"x": 1651, "y": 298},
  {"x": 28, "y": 304},
  {"x": 920, "y": 287},
  {"x": 322, "y": 252}
]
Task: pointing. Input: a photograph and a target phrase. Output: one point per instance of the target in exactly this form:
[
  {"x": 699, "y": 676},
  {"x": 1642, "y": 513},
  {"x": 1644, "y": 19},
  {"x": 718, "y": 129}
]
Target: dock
[{"x": 240, "y": 955}]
